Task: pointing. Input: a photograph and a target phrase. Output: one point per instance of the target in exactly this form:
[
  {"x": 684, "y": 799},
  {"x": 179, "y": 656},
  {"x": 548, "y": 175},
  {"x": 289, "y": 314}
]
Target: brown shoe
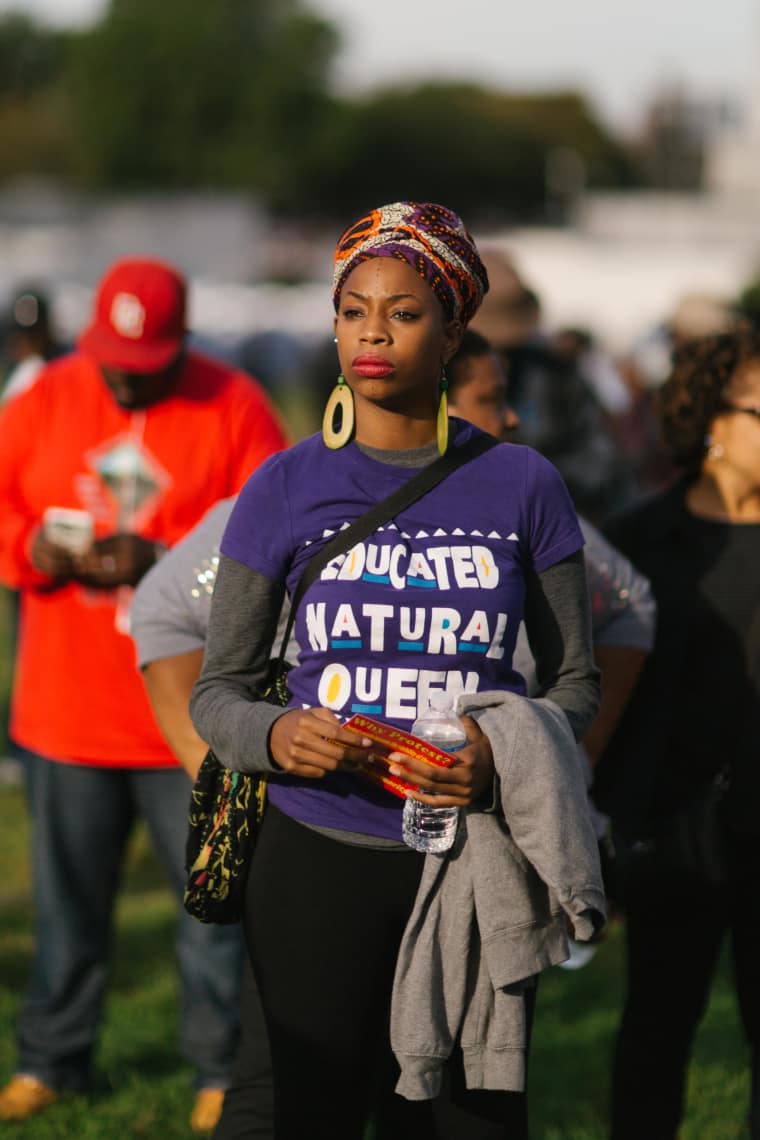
[
  {"x": 23, "y": 1096},
  {"x": 206, "y": 1110}
]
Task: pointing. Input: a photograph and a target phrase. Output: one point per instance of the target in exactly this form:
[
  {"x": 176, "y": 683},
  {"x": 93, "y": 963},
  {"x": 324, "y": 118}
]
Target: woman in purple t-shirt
[{"x": 431, "y": 601}]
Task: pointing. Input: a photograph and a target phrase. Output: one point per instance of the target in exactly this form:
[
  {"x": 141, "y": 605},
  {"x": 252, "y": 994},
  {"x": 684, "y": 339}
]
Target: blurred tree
[
  {"x": 434, "y": 142},
  {"x": 35, "y": 137},
  {"x": 673, "y": 137},
  {"x": 185, "y": 94},
  {"x": 34, "y": 130},
  {"x": 290, "y": 101},
  {"x": 484, "y": 152},
  {"x": 235, "y": 94},
  {"x": 32, "y": 57}
]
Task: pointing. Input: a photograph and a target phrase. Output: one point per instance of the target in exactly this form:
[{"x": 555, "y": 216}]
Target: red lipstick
[{"x": 372, "y": 366}]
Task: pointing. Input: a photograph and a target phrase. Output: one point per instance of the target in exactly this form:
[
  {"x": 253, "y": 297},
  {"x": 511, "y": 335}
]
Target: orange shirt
[{"x": 65, "y": 442}]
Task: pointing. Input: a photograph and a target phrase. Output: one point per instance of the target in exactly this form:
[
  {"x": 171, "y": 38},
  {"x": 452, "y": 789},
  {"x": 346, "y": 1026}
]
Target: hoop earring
[
  {"x": 442, "y": 418},
  {"x": 715, "y": 451},
  {"x": 341, "y": 401}
]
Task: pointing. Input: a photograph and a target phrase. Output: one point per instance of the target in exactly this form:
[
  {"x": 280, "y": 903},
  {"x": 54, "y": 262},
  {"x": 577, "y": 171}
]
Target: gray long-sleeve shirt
[{"x": 228, "y": 714}]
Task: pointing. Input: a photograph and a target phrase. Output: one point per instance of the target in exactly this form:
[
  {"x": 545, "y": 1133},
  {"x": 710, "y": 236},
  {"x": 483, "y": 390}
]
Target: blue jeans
[{"x": 81, "y": 820}]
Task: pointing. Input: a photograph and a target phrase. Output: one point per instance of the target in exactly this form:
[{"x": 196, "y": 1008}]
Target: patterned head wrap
[{"x": 431, "y": 239}]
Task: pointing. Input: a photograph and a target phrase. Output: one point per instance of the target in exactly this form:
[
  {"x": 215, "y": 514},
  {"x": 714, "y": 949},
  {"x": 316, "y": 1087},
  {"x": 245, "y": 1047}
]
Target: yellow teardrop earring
[
  {"x": 341, "y": 403},
  {"x": 442, "y": 419}
]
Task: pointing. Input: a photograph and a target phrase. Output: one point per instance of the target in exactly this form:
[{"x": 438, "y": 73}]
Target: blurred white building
[
  {"x": 222, "y": 242},
  {"x": 621, "y": 268}
]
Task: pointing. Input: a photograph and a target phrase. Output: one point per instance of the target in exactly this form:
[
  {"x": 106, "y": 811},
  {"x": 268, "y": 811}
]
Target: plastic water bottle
[{"x": 427, "y": 828}]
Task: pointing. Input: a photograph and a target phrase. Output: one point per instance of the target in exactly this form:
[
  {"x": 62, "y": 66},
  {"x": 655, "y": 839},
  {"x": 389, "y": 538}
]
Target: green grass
[
  {"x": 6, "y": 662},
  {"x": 576, "y": 1023},
  {"x": 143, "y": 1090},
  {"x": 142, "y": 1087}
]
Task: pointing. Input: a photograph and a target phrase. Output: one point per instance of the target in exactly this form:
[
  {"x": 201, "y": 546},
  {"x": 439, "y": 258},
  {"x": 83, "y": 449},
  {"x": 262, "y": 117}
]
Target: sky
[{"x": 619, "y": 53}]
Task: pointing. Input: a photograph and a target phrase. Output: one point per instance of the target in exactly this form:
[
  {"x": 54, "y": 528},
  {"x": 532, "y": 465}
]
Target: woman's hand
[
  {"x": 311, "y": 742},
  {"x": 461, "y": 785}
]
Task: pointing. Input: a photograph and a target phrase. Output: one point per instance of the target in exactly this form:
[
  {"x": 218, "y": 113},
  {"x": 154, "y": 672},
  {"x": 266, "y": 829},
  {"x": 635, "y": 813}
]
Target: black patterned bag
[{"x": 226, "y": 809}]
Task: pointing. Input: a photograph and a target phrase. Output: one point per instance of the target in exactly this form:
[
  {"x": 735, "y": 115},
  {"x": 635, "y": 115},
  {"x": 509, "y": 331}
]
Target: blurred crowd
[
  {"x": 591, "y": 411},
  {"x": 588, "y": 409},
  {"x": 597, "y": 416}
]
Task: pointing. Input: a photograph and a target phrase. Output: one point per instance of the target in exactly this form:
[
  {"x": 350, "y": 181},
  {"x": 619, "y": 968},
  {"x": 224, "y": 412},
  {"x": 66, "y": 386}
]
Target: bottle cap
[{"x": 440, "y": 701}]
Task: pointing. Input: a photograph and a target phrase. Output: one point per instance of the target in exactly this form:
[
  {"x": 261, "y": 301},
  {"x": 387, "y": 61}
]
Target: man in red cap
[{"x": 111, "y": 456}]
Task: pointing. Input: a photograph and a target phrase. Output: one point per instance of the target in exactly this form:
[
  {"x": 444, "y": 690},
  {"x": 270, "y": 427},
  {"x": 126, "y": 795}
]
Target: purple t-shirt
[{"x": 433, "y": 600}]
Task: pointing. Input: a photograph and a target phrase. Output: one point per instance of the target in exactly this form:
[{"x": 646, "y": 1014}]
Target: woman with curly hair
[{"x": 681, "y": 777}]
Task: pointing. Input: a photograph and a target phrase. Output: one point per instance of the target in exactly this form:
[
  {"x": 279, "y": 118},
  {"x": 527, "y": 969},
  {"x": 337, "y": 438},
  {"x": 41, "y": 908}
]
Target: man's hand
[
  {"x": 119, "y": 560},
  {"x": 51, "y": 559},
  {"x": 461, "y": 785}
]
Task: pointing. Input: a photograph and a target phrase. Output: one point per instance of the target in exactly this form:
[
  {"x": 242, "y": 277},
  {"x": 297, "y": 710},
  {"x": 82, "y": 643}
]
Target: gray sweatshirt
[{"x": 490, "y": 914}]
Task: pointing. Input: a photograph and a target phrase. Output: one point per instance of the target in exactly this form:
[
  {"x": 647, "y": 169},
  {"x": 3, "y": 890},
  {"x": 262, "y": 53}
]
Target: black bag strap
[{"x": 387, "y": 508}]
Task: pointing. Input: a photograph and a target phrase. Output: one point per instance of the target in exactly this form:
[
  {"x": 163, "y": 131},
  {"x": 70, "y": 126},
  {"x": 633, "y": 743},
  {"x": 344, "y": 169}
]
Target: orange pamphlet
[{"x": 394, "y": 740}]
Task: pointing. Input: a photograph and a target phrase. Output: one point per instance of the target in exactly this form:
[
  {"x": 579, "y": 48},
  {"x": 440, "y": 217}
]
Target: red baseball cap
[{"x": 139, "y": 319}]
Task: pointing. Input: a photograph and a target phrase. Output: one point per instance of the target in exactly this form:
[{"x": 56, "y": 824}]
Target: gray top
[
  {"x": 623, "y": 610},
  {"x": 171, "y": 605}
]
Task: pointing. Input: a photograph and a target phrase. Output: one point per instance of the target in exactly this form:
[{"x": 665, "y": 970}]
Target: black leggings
[{"x": 323, "y": 923}]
